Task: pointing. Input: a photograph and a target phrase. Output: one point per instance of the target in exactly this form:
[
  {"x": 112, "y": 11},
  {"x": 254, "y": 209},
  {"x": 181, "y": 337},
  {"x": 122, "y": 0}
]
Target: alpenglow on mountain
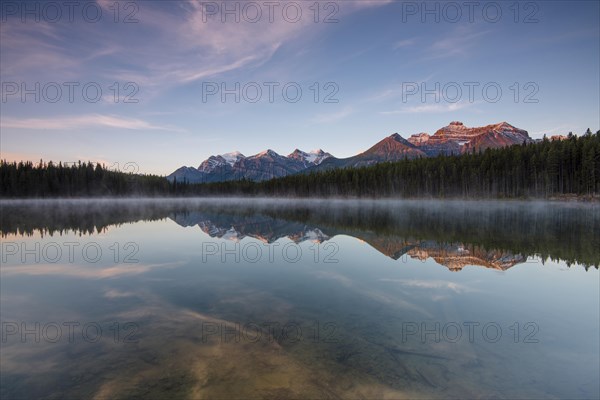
[
  {"x": 235, "y": 166},
  {"x": 454, "y": 139}
]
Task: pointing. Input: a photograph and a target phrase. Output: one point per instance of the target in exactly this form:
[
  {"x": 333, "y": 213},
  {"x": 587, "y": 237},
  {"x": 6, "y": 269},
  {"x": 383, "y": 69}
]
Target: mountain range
[{"x": 454, "y": 139}]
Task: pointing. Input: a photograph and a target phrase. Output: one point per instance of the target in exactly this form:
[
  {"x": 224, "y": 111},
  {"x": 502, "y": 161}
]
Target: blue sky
[{"x": 372, "y": 61}]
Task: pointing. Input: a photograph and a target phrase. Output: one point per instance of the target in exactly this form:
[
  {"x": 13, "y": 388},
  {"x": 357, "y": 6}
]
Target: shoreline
[{"x": 568, "y": 199}]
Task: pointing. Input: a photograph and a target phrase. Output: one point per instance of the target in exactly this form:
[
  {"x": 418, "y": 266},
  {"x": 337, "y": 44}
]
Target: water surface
[{"x": 224, "y": 298}]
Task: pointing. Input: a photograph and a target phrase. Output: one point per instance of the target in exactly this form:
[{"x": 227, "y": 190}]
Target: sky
[{"x": 162, "y": 84}]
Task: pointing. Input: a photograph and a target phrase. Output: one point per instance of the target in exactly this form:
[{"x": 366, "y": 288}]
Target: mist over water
[{"x": 280, "y": 298}]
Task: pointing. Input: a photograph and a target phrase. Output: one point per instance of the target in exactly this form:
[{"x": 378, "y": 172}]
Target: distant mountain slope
[
  {"x": 392, "y": 148},
  {"x": 315, "y": 157},
  {"x": 452, "y": 139},
  {"x": 266, "y": 165},
  {"x": 214, "y": 162},
  {"x": 456, "y": 138},
  {"x": 235, "y": 166}
]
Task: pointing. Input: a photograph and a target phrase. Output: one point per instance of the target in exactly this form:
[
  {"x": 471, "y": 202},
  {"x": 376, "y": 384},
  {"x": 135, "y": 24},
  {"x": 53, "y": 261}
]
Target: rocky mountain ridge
[{"x": 454, "y": 139}]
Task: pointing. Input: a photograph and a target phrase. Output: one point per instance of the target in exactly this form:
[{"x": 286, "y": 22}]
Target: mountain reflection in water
[
  {"x": 377, "y": 323},
  {"x": 454, "y": 256},
  {"x": 494, "y": 235}
]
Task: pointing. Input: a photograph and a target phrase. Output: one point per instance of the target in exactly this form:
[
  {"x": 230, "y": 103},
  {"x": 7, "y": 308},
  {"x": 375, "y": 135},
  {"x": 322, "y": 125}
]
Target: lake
[{"x": 231, "y": 298}]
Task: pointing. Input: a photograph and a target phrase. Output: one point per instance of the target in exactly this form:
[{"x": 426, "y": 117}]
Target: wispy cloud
[
  {"x": 457, "y": 43},
  {"x": 168, "y": 46},
  {"x": 115, "y": 294},
  {"x": 431, "y": 284},
  {"x": 82, "y": 121},
  {"x": 404, "y": 43},
  {"x": 84, "y": 271},
  {"x": 333, "y": 117},
  {"x": 397, "y": 90},
  {"x": 44, "y": 53},
  {"x": 430, "y": 108},
  {"x": 359, "y": 4}
]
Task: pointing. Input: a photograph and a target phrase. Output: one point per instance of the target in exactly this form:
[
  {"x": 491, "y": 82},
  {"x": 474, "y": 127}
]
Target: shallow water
[{"x": 279, "y": 299}]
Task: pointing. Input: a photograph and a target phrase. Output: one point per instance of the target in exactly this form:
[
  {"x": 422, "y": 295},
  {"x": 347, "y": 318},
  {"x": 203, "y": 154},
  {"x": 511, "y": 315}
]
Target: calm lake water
[{"x": 314, "y": 299}]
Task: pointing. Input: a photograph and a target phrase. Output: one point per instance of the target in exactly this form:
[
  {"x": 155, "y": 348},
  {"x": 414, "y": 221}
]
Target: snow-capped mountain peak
[
  {"x": 268, "y": 152},
  {"x": 214, "y": 162},
  {"x": 232, "y": 158},
  {"x": 454, "y": 139},
  {"x": 314, "y": 157}
]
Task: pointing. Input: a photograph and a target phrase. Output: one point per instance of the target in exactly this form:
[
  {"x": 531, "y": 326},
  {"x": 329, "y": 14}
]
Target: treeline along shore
[{"x": 568, "y": 168}]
